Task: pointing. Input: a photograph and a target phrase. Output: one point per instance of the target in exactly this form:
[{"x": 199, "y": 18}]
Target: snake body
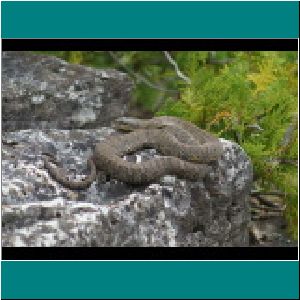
[{"x": 186, "y": 149}]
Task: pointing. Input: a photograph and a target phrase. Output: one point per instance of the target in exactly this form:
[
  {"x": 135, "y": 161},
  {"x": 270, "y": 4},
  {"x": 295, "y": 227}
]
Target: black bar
[
  {"x": 150, "y": 253},
  {"x": 150, "y": 44}
]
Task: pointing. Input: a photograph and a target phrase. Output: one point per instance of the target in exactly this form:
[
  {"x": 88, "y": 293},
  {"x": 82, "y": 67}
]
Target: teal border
[
  {"x": 140, "y": 279},
  {"x": 150, "y": 279},
  {"x": 137, "y": 19}
]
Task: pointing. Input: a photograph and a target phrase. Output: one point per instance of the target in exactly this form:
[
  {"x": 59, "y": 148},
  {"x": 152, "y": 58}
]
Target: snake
[{"x": 187, "y": 150}]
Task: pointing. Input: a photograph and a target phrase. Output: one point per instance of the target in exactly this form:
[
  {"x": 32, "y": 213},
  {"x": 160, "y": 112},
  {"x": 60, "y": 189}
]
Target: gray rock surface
[
  {"x": 270, "y": 232},
  {"x": 37, "y": 211},
  {"x": 43, "y": 95},
  {"x": 46, "y": 92}
]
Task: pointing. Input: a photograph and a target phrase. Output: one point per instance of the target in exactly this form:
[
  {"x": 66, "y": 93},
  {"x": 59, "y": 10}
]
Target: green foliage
[
  {"x": 255, "y": 90},
  {"x": 153, "y": 77}
]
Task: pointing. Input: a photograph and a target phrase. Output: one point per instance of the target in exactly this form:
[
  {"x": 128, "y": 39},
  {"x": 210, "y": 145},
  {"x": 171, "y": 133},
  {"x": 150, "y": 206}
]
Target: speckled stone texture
[
  {"x": 46, "y": 92},
  {"x": 37, "y": 211},
  {"x": 47, "y": 106}
]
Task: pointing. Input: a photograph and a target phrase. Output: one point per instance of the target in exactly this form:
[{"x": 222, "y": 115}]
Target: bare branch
[
  {"x": 175, "y": 65},
  {"x": 270, "y": 193},
  {"x": 289, "y": 161},
  {"x": 140, "y": 77},
  {"x": 288, "y": 135}
]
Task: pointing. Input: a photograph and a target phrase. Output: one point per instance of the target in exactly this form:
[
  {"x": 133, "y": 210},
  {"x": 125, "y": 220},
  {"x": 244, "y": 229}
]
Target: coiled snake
[{"x": 186, "y": 148}]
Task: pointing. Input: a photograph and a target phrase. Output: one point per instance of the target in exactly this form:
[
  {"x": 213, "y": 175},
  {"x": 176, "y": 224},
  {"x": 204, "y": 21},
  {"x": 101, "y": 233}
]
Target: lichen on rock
[
  {"x": 49, "y": 105},
  {"x": 37, "y": 211},
  {"x": 47, "y": 92}
]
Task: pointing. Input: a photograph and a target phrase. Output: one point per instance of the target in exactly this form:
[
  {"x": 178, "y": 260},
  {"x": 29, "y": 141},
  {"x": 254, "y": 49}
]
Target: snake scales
[{"x": 187, "y": 151}]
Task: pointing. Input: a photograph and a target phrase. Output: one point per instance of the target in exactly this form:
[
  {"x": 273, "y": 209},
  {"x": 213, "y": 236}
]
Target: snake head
[
  {"x": 128, "y": 124},
  {"x": 194, "y": 158}
]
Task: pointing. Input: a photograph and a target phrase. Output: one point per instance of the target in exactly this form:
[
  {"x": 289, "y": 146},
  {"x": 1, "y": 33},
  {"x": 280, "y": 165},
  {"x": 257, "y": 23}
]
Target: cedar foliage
[{"x": 256, "y": 90}]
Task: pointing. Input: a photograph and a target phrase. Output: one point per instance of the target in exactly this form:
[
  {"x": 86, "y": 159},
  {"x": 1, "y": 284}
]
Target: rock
[
  {"x": 268, "y": 227},
  {"x": 43, "y": 94},
  {"x": 37, "y": 211},
  {"x": 270, "y": 232},
  {"x": 40, "y": 92}
]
